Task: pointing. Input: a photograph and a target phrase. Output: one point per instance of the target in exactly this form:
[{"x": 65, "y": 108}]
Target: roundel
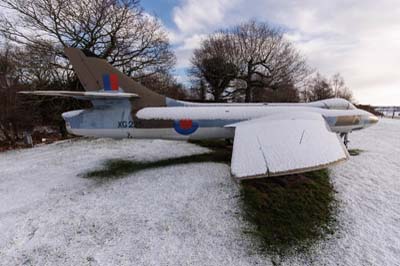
[{"x": 185, "y": 127}]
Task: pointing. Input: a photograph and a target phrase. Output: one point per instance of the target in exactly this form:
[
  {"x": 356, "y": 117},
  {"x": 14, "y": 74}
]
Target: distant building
[{"x": 389, "y": 111}]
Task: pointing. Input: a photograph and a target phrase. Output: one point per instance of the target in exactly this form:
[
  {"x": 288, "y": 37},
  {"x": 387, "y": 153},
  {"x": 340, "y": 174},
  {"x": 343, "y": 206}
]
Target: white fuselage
[{"x": 212, "y": 120}]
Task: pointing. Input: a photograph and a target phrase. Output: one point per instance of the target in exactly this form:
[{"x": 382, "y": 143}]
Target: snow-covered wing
[
  {"x": 85, "y": 95},
  {"x": 284, "y": 144}
]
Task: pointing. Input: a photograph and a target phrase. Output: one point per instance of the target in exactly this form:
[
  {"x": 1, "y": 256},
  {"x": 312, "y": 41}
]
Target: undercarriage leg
[{"x": 345, "y": 137}]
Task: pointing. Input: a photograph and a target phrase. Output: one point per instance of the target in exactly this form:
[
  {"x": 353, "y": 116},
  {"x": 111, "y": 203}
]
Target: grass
[
  {"x": 289, "y": 214},
  {"x": 355, "y": 152}
]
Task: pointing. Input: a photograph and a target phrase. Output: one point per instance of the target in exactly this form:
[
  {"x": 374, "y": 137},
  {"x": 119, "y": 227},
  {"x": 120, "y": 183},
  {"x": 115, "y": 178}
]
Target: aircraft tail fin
[{"x": 97, "y": 75}]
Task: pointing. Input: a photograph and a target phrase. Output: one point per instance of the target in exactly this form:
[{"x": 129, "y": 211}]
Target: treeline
[
  {"x": 247, "y": 63},
  {"x": 254, "y": 62}
]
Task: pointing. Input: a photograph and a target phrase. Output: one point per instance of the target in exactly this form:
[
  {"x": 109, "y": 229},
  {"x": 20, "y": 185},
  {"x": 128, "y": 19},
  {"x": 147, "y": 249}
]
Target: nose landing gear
[{"x": 345, "y": 137}]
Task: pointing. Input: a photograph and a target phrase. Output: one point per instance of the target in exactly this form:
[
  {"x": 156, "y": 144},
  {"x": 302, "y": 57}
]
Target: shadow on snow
[{"x": 288, "y": 214}]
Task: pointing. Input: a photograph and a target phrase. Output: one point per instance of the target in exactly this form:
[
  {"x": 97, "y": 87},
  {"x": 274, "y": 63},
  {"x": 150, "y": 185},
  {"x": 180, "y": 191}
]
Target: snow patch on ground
[
  {"x": 179, "y": 215},
  {"x": 369, "y": 187}
]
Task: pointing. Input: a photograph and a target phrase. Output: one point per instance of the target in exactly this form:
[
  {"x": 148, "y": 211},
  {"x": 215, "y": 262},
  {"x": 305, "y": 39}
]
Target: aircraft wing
[
  {"x": 283, "y": 144},
  {"x": 84, "y": 95}
]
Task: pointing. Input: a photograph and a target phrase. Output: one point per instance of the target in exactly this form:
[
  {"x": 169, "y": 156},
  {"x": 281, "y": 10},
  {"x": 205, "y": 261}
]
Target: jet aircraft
[{"x": 269, "y": 139}]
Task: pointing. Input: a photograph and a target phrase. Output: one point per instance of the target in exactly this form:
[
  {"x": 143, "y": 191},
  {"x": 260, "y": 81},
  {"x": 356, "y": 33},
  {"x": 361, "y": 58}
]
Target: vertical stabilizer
[{"x": 97, "y": 74}]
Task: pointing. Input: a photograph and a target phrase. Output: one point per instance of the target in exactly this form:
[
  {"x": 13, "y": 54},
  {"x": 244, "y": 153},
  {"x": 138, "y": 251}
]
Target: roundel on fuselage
[{"x": 185, "y": 126}]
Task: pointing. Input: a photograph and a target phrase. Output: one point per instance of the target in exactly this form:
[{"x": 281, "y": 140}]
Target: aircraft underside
[
  {"x": 170, "y": 133},
  {"x": 155, "y": 133}
]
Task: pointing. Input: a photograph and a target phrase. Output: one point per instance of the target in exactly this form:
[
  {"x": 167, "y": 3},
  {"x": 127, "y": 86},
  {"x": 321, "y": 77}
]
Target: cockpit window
[
  {"x": 351, "y": 106},
  {"x": 335, "y": 104}
]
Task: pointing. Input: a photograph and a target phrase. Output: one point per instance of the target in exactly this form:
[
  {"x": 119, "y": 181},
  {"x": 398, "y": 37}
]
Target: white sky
[{"x": 359, "y": 39}]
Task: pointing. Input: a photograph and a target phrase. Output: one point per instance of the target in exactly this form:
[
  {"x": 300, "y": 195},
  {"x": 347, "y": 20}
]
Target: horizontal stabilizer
[
  {"x": 85, "y": 95},
  {"x": 282, "y": 144}
]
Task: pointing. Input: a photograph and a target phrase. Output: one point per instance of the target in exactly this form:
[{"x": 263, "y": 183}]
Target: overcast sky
[{"x": 360, "y": 39}]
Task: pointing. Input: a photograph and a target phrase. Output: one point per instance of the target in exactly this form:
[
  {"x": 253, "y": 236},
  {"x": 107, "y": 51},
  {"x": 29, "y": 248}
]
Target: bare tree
[
  {"x": 165, "y": 84},
  {"x": 35, "y": 71},
  {"x": 318, "y": 88},
  {"x": 262, "y": 58},
  {"x": 213, "y": 68},
  {"x": 117, "y": 30},
  {"x": 216, "y": 72},
  {"x": 11, "y": 115},
  {"x": 202, "y": 90},
  {"x": 265, "y": 58},
  {"x": 340, "y": 90},
  {"x": 198, "y": 90},
  {"x": 288, "y": 93}
]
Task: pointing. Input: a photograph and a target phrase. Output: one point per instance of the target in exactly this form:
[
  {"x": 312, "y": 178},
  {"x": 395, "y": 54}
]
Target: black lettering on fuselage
[{"x": 125, "y": 124}]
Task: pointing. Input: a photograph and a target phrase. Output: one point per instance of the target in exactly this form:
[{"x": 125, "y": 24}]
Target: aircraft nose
[{"x": 372, "y": 119}]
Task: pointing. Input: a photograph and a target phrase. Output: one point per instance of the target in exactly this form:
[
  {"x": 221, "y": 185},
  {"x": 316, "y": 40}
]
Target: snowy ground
[{"x": 179, "y": 215}]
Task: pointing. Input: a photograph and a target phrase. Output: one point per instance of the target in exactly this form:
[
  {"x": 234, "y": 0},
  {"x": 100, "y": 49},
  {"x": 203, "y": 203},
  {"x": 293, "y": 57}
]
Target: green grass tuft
[
  {"x": 355, "y": 152},
  {"x": 290, "y": 213}
]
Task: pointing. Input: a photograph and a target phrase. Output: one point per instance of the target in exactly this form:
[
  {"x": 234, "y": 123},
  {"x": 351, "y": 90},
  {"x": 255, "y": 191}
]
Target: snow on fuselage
[{"x": 203, "y": 121}]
